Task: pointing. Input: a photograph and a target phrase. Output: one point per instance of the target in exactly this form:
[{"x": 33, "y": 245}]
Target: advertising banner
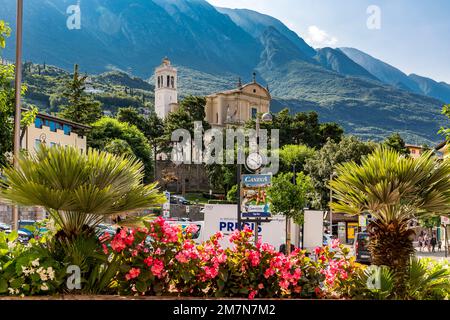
[{"x": 255, "y": 203}]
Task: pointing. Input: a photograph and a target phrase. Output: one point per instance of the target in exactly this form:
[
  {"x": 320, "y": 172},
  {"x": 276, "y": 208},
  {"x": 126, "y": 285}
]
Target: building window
[
  {"x": 38, "y": 123},
  {"x": 172, "y": 82},
  {"x": 67, "y": 129},
  {"x": 217, "y": 118},
  {"x": 168, "y": 81},
  {"x": 37, "y": 144},
  {"x": 159, "y": 82},
  {"x": 52, "y": 126},
  {"x": 254, "y": 113}
]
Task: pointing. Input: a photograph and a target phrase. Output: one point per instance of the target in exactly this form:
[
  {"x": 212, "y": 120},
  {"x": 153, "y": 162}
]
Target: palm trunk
[{"x": 392, "y": 246}]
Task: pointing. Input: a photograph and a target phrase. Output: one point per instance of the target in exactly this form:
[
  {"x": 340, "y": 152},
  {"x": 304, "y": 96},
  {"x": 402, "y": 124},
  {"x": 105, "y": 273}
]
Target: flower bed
[
  {"x": 162, "y": 260},
  {"x": 177, "y": 266}
]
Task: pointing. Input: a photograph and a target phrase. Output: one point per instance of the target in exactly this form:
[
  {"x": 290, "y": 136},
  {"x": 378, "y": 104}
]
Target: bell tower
[{"x": 166, "y": 94}]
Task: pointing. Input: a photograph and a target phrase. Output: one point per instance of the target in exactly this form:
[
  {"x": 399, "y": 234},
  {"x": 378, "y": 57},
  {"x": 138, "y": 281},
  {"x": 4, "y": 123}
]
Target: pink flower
[
  {"x": 149, "y": 261},
  {"x": 284, "y": 284},
  {"x": 105, "y": 248},
  {"x": 260, "y": 286},
  {"x": 117, "y": 244},
  {"x": 157, "y": 268},
  {"x": 335, "y": 243},
  {"x": 269, "y": 272},
  {"x": 317, "y": 251},
  {"x": 132, "y": 274},
  {"x": 192, "y": 228},
  {"x": 129, "y": 240},
  {"x": 252, "y": 294},
  {"x": 134, "y": 253},
  {"x": 181, "y": 257}
]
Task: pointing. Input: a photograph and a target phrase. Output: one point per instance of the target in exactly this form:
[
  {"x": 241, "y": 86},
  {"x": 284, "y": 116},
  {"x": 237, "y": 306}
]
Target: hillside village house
[{"x": 51, "y": 131}]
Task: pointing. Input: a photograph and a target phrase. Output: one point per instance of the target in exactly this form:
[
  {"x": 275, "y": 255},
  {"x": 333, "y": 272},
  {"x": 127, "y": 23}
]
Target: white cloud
[{"x": 319, "y": 38}]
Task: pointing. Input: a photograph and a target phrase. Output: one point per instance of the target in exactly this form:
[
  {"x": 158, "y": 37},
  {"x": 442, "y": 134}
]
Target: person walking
[
  {"x": 420, "y": 242},
  {"x": 433, "y": 243},
  {"x": 439, "y": 245}
]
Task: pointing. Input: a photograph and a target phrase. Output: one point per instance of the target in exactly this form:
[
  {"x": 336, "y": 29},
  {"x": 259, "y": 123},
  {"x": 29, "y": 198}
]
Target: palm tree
[
  {"x": 79, "y": 190},
  {"x": 393, "y": 189}
]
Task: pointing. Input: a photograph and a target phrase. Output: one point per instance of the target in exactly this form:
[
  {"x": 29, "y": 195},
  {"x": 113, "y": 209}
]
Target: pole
[
  {"x": 238, "y": 178},
  {"x": 331, "y": 210},
  {"x": 18, "y": 87},
  {"x": 257, "y": 222}
]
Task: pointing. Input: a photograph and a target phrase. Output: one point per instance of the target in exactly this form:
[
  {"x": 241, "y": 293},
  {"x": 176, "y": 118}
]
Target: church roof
[{"x": 241, "y": 90}]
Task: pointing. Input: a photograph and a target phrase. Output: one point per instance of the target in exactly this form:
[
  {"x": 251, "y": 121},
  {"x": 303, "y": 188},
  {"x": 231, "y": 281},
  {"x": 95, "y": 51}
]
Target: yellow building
[
  {"x": 52, "y": 131},
  {"x": 235, "y": 107},
  {"x": 415, "y": 151}
]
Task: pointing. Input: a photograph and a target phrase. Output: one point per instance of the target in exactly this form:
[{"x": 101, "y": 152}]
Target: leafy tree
[
  {"x": 320, "y": 167},
  {"x": 301, "y": 128},
  {"x": 289, "y": 198},
  {"x": 81, "y": 107},
  {"x": 79, "y": 190},
  {"x": 232, "y": 194},
  {"x": 393, "y": 189},
  {"x": 221, "y": 177},
  {"x": 119, "y": 147},
  {"x": 7, "y": 103},
  {"x": 294, "y": 155},
  {"x": 106, "y": 130},
  {"x": 396, "y": 142},
  {"x": 446, "y": 131}
]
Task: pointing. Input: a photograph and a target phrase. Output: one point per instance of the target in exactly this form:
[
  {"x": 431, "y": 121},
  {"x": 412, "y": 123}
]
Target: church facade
[{"x": 223, "y": 109}]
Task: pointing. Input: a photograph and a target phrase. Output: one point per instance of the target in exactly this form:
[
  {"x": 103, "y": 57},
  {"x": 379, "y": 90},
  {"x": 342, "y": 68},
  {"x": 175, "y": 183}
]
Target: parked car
[
  {"x": 179, "y": 200},
  {"x": 4, "y": 227},
  {"x": 23, "y": 237},
  {"x": 361, "y": 248},
  {"x": 24, "y": 224},
  {"x": 327, "y": 239}
]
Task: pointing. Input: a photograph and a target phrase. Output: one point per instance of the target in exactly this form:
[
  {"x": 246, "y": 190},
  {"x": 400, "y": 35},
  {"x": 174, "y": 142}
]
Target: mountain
[
  {"x": 431, "y": 88},
  {"x": 383, "y": 71},
  {"x": 364, "y": 107},
  {"x": 336, "y": 60},
  {"x": 191, "y": 32},
  {"x": 255, "y": 23},
  {"x": 212, "y": 47},
  {"x": 391, "y": 75}
]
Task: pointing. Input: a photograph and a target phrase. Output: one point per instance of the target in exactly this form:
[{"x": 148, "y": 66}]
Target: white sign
[
  {"x": 223, "y": 218},
  {"x": 362, "y": 221},
  {"x": 313, "y": 229},
  {"x": 445, "y": 220}
]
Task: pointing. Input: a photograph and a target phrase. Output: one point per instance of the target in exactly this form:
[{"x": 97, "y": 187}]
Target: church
[{"x": 223, "y": 109}]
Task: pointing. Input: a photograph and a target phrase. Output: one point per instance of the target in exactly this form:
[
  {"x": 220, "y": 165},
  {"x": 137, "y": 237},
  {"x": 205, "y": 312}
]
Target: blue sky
[{"x": 414, "y": 35}]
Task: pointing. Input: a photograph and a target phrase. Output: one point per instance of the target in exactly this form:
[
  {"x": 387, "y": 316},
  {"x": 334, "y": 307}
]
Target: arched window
[
  {"x": 159, "y": 82},
  {"x": 172, "y": 82},
  {"x": 168, "y": 81},
  {"x": 217, "y": 118}
]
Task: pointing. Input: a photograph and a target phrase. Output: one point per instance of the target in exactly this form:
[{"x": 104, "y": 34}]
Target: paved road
[{"x": 434, "y": 255}]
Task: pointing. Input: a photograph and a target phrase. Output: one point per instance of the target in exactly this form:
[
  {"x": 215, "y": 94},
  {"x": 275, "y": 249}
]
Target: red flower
[
  {"x": 157, "y": 268},
  {"x": 149, "y": 261},
  {"x": 132, "y": 274},
  {"x": 252, "y": 294}
]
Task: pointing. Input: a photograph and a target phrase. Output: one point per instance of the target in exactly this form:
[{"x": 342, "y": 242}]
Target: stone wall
[
  {"x": 187, "y": 178},
  {"x": 25, "y": 213}
]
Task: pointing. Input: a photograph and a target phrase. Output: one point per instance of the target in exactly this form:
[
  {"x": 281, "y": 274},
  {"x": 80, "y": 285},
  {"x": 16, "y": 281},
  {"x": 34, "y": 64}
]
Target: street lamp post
[
  {"x": 18, "y": 87},
  {"x": 266, "y": 117}
]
